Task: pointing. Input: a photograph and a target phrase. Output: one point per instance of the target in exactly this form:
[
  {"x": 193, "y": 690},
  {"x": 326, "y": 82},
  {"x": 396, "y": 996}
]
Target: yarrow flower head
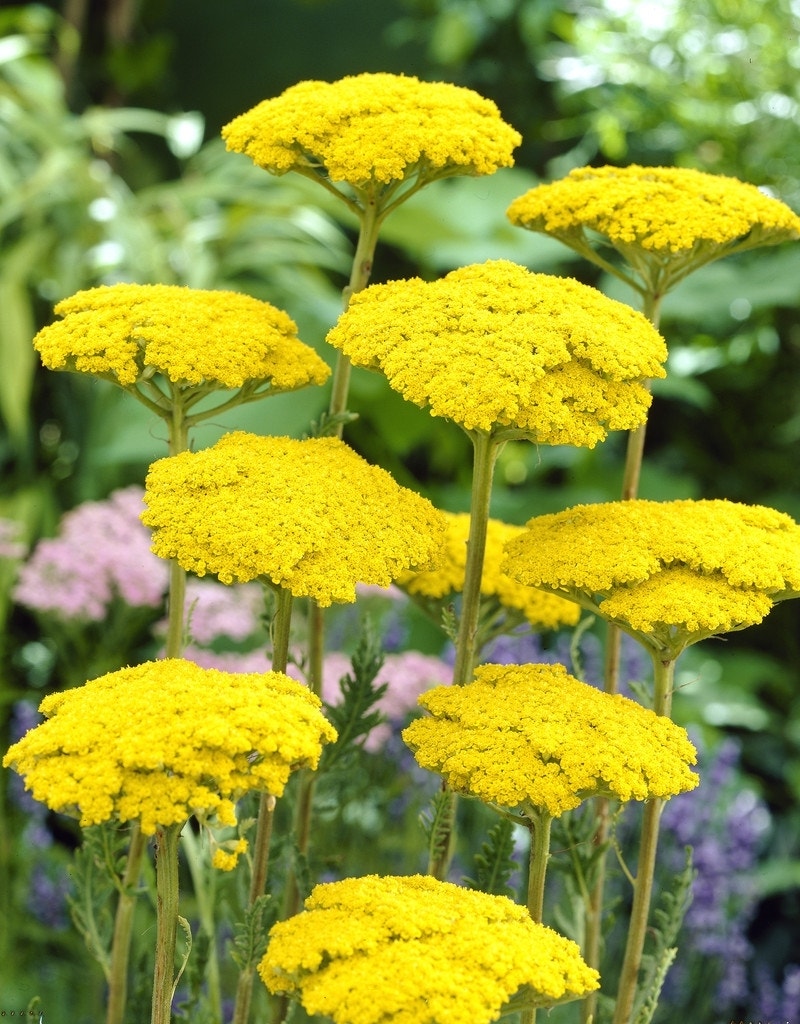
[
  {"x": 195, "y": 338},
  {"x": 375, "y": 131},
  {"x": 503, "y": 351},
  {"x": 541, "y": 610},
  {"x": 670, "y": 573},
  {"x": 533, "y": 738},
  {"x": 667, "y": 220},
  {"x": 167, "y": 739},
  {"x": 415, "y": 950},
  {"x": 309, "y": 516}
]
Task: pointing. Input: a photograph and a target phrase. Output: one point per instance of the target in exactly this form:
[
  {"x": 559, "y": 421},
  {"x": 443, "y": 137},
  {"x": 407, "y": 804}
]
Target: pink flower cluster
[{"x": 102, "y": 552}]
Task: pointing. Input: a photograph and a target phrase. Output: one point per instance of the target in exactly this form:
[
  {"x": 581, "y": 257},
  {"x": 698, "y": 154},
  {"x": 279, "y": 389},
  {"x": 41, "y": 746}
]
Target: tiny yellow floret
[
  {"x": 534, "y": 738},
  {"x": 375, "y": 130},
  {"x": 309, "y": 516},
  {"x": 501, "y": 350},
  {"x": 127, "y": 332},
  {"x": 415, "y": 950},
  {"x": 167, "y": 739},
  {"x": 540, "y": 609},
  {"x": 668, "y": 572}
]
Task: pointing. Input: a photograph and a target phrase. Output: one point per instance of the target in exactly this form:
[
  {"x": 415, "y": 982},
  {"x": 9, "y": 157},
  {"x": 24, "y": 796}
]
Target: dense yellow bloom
[
  {"x": 373, "y": 130},
  {"x": 126, "y": 332},
  {"x": 415, "y": 950},
  {"x": 167, "y": 739},
  {"x": 542, "y": 610},
  {"x": 310, "y": 516},
  {"x": 532, "y": 737},
  {"x": 495, "y": 348},
  {"x": 672, "y": 213},
  {"x": 673, "y": 572}
]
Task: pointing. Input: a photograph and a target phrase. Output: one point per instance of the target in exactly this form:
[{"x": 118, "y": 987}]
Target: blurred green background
[{"x": 111, "y": 169}]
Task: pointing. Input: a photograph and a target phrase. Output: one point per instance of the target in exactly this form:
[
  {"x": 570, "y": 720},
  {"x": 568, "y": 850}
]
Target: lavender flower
[
  {"x": 47, "y": 897},
  {"x": 778, "y": 1002},
  {"x": 102, "y": 551},
  {"x": 725, "y": 825}
]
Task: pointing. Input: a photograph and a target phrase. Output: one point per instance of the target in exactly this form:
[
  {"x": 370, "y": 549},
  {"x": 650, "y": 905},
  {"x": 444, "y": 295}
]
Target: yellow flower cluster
[
  {"x": 493, "y": 346},
  {"x": 310, "y": 516},
  {"x": 375, "y": 129},
  {"x": 415, "y": 950},
  {"x": 226, "y": 860},
  {"x": 167, "y": 739},
  {"x": 542, "y": 610},
  {"x": 125, "y": 332},
  {"x": 534, "y": 738},
  {"x": 674, "y": 571},
  {"x": 659, "y": 209}
]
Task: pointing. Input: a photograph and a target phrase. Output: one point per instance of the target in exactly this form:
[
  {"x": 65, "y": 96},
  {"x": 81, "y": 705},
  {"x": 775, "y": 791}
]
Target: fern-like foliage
[
  {"x": 355, "y": 715},
  {"x": 96, "y": 873},
  {"x": 437, "y": 823},
  {"x": 250, "y": 935},
  {"x": 667, "y": 920},
  {"x": 494, "y": 862}
]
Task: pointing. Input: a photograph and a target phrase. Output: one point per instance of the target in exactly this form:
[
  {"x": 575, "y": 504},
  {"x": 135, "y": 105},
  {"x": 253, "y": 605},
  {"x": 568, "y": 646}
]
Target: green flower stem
[
  {"x": 634, "y": 457},
  {"x": 369, "y": 223},
  {"x": 123, "y": 927},
  {"x": 307, "y": 779},
  {"x": 166, "y": 922},
  {"x": 203, "y": 888},
  {"x": 176, "y": 601},
  {"x": 281, "y": 629},
  {"x": 643, "y": 887},
  {"x": 258, "y": 883},
  {"x": 539, "y": 856},
  {"x": 485, "y": 451},
  {"x": 539, "y": 828}
]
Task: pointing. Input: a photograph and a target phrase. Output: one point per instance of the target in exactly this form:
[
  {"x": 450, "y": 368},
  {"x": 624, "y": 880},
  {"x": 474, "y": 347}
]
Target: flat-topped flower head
[
  {"x": 414, "y": 950},
  {"x": 501, "y": 350},
  {"x": 128, "y": 332},
  {"x": 670, "y": 573},
  {"x": 167, "y": 739},
  {"x": 540, "y": 609},
  {"x": 309, "y": 516},
  {"x": 374, "y": 131},
  {"x": 665, "y": 219},
  {"x": 535, "y": 739}
]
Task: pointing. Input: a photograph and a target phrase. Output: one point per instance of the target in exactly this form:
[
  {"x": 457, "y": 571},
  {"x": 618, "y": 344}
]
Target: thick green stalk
[
  {"x": 123, "y": 926},
  {"x": 634, "y": 457},
  {"x": 537, "y": 870},
  {"x": 485, "y": 449},
  {"x": 176, "y": 600},
  {"x": 369, "y": 223},
  {"x": 281, "y": 628},
  {"x": 645, "y": 870},
  {"x": 166, "y": 922},
  {"x": 195, "y": 853}
]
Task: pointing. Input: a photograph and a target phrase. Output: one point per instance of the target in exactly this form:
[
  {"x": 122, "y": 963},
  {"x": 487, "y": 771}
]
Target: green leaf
[
  {"x": 250, "y": 936},
  {"x": 355, "y": 715},
  {"x": 494, "y": 863},
  {"x": 17, "y": 328}
]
